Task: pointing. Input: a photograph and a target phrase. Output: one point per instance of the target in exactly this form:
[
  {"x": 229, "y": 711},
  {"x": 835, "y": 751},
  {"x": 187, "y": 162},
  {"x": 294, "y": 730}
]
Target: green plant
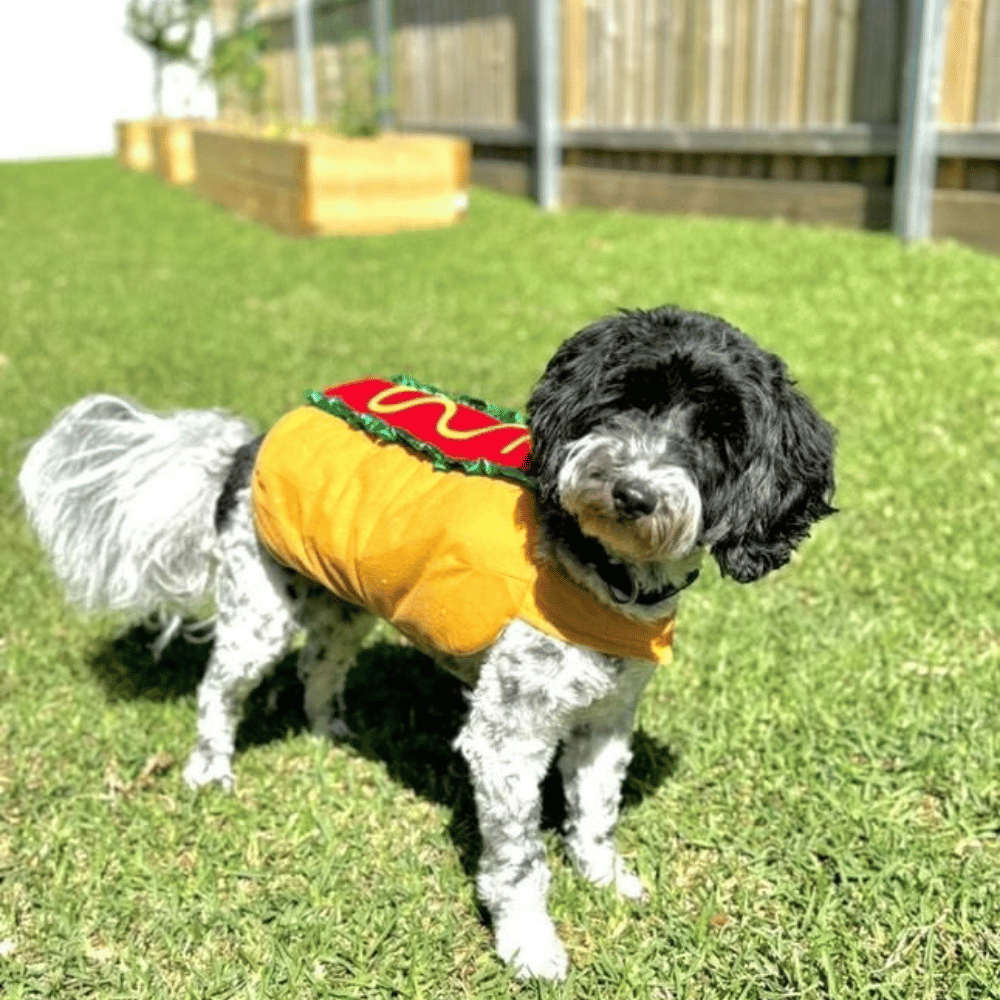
[{"x": 235, "y": 66}]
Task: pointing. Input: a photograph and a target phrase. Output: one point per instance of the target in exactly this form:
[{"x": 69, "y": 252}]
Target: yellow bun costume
[{"x": 447, "y": 557}]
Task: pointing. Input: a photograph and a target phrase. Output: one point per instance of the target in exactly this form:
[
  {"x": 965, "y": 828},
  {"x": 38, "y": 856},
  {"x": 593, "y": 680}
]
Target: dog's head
[{"x": 657, "y": 435}]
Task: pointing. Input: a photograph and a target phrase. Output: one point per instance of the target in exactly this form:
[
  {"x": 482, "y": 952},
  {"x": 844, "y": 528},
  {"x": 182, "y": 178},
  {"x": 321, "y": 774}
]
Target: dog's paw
[
  {"x": 529, "y": 944},
  {"x": 608, "y": 867},
  {"x": 209, "y": 769},
  {"x": 337, "y": 729},
  {"x": 629, "y": 886},
  {"x": 331, "y": 727}
]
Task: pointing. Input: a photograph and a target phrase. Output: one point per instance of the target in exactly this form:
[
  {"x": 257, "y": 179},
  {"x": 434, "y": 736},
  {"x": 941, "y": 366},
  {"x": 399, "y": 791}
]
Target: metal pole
[
  {"x": 304, "y": 57},
  {"x": 382, "y": 43},
  {"x": 916, "y": 153},
  {"x": 548, "y": 148}
]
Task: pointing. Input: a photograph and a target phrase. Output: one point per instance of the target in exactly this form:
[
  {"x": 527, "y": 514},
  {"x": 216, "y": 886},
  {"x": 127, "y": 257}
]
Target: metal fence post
[
  {"x": 916, "y": 153},
  {"x": 382, "y": 44},
  {"x": 304, "y": 57},
  {"x": 548, "y": 147}
]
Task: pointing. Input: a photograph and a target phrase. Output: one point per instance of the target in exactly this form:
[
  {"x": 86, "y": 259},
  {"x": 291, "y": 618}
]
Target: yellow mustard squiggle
[{"x": 378, "y": 404}]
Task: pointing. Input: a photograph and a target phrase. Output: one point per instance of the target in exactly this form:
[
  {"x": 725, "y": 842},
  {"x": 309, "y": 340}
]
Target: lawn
[{"x": 815, "y": 798}]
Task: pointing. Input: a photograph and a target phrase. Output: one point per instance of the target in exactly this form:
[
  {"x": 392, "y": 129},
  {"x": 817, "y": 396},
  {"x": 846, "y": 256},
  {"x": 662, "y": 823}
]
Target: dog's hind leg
[
  {"x": 335, "y": 632},
  {"x": 254, "y": 626},
  {"x": 593, "y": 763}
]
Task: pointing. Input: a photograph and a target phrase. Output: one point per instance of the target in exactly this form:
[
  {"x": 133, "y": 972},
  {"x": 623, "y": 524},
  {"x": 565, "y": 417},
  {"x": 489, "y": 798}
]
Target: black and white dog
[{"x": 656, "y": 436}]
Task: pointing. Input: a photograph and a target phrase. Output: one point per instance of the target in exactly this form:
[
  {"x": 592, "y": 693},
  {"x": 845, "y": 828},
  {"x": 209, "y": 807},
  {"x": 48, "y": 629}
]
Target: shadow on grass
[
  {"x": 404, "y": 711},
  {"x": 127, "y": 670}
]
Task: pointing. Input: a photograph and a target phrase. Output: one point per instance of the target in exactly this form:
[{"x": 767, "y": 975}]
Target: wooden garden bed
[
  {"x": 173, "y": 153},
  {"x": 135, "y": 150},
  {"x": 318, "y": 184}
]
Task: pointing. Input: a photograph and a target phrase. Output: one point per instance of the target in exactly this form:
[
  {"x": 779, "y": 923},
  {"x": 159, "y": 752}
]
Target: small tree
[{"x": 166, "y": 28}]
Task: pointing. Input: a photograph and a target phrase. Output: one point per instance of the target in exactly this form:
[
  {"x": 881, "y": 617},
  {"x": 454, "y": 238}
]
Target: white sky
[{"x": 69, "y": 72}]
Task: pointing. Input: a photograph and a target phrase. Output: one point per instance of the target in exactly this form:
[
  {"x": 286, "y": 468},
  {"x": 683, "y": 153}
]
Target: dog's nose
[{"x": 633, "y": 498}]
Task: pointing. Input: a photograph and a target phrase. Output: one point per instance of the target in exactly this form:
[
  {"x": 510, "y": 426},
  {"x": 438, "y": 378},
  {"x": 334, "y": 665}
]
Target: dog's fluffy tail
[{"x": 123, "y": 500}]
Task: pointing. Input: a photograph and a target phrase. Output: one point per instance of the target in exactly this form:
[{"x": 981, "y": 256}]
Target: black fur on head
[{"x": 762, "y": 458}]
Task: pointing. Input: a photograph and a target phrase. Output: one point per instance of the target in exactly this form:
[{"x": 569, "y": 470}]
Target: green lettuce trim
[{"x": 378, "y": 428}]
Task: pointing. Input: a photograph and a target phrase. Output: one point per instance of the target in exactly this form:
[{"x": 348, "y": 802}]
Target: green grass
[{"x": 815, "y": 798}]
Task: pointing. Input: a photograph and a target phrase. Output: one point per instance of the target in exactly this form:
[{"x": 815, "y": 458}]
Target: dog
[{"x": 655, "y": 437}]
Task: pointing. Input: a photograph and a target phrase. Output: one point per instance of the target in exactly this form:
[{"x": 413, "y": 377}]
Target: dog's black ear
[
  {"x": 570, "y": 398},
  {"x": 784, "y": 486}
]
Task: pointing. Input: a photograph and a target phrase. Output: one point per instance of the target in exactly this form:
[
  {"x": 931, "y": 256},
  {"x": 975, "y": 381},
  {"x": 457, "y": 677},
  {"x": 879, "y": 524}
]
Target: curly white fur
[{"x": 122, "y": 499}]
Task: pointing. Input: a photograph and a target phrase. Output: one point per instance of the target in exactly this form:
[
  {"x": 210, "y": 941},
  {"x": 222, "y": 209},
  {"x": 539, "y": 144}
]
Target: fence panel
[
  {"x": 730, "y": 63},
  {"x": 458, "y": 60},
  {"x": 646, "y": 64}
]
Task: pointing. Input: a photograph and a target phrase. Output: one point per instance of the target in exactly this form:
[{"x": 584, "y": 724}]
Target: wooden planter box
[
  {"x": 326, "y": 185},
  {"x": 135, "y": 151},
  {"x": 173, "y": 153}
]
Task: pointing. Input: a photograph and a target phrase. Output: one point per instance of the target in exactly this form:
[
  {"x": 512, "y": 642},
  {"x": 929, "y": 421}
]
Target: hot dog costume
[{"x": 418, "y": 507}]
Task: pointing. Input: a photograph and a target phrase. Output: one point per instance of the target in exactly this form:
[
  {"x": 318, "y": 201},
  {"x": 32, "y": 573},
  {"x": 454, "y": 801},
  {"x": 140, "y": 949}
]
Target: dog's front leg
[
  {"x": 529, "y": 688},
  {"x": 593, "y": 765}
]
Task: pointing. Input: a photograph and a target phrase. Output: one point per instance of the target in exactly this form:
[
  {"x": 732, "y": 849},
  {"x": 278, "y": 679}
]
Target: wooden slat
[
  {"x": 850, "y": 140},
  {"x": 649, "y": 39},
  {"x": 447, "y": 64},
  {"x": 603, "y": 61},
  {"x": 497, "y": 72},
  {"x": 970, "y": 216},
  {"x": 631, "y": 67},
  {"x": 791, "y": 53},
  {"x": 739, "y": 79},
  {"x": 760, "y": 63},
  {"x": 475, "y": 103},
  {"x": 173, "y": 153},
  {"x": 400, "y": 62},
  {"x": 135, "y": 150},
  {"x": 988, "y": 93},
  {"x": 818, "y": 64},
  {"x": 843, "y": 34},
  {"x": 878, "y": 70},
  {"x": 848, "y": 205},
  {"x": 616, "y": 84},
  {"x": 574, "y": 70},
  {"x": 961, "y": 62},
  {"x": 716, "y": 39},
  {"x": 509, "y": 177},
  {"x": 697, "y": 62},
  {"x": 406, "y": 65},
  {"x": 657, "y": 15}
]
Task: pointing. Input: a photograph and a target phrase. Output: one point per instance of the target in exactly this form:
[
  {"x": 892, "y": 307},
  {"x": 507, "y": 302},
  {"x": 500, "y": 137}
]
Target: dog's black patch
[{"x": 237, "y": 479}]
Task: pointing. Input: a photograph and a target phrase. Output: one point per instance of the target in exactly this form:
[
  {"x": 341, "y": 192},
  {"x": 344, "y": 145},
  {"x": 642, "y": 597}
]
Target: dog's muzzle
[{"x": 632, "y": 499}]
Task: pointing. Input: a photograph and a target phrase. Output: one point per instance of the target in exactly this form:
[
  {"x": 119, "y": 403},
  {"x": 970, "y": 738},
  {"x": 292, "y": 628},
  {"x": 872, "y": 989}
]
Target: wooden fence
[{"x": 664, "y": 102}]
